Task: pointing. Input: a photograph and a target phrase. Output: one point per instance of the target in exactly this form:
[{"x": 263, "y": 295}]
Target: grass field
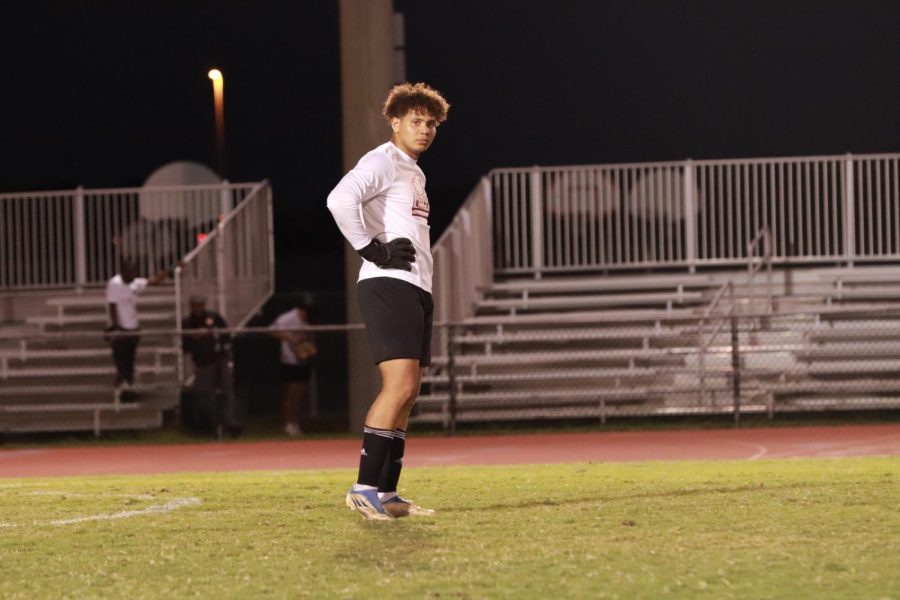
[{"x": 767, "y": 529}]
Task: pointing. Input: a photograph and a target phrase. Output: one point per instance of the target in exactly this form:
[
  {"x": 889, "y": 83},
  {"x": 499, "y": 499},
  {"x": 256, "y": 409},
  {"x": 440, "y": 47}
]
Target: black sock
[
  {"x": 390, "y": 471},
  {"x": 375, "y": 449}
]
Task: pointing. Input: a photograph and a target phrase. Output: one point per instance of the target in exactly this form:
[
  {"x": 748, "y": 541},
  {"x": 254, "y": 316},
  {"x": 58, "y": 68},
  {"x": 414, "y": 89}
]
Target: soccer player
[{"x": 381, "y": 208}]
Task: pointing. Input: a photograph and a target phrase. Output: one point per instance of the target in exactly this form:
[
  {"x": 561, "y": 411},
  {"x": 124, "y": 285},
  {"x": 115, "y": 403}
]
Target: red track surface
[{"x": 782, "y": 442}]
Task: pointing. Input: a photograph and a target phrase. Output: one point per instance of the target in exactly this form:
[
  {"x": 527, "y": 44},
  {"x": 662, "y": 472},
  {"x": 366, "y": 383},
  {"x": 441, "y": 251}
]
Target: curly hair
[{"x": 406, "y": 97}]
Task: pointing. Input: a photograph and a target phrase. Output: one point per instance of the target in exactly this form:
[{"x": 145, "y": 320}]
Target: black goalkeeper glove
[{"x": 396, "y": 254}]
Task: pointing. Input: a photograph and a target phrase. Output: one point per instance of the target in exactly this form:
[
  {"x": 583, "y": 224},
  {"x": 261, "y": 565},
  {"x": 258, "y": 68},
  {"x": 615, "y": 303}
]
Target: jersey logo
[{"x": 420, "y": 208}]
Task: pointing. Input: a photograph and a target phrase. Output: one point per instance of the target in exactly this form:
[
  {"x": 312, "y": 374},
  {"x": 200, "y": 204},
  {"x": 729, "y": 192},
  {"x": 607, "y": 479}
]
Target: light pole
[{"x": 218, "y": 82}]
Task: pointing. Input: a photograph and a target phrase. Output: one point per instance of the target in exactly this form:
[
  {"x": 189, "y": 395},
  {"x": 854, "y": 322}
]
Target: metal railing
[
  {"x": 704, "y": 341},
  {"x": 462, "y": 259},
  {"x": 694, "y": 213},
  {"x": 233, "y": 268},
  {"x": 754, "y": 264},
  {"x": 75, "y": 238}
]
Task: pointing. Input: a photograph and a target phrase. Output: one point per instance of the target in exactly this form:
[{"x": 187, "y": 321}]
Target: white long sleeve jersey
[{"x": 383, "y": 197}]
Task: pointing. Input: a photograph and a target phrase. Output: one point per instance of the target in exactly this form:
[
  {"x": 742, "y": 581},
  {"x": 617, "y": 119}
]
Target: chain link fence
[
  {"x": 489, "y": 371},
  {"x": 726, "y": 364}
]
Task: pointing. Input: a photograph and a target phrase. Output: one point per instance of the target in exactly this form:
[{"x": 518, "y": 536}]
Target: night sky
[{"x": 102, "y": 93}]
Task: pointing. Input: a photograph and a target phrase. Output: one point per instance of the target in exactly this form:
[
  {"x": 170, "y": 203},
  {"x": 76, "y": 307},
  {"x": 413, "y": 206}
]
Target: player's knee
[
  {"x": 407, "y": 391},
  {"x": 403, "y": 388}
]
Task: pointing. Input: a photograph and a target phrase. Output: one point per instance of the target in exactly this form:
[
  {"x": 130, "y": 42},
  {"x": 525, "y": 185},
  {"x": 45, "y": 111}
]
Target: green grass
[{"x": 767, "y": 529}]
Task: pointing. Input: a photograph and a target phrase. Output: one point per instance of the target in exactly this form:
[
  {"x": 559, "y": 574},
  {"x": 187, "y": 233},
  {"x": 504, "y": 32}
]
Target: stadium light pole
[{"x": 218, "y": 83}]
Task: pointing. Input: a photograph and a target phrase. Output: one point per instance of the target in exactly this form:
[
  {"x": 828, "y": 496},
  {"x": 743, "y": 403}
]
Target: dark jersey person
[
  {"x": 382, "y": 210},
  {"x": 210, "y": 352}
]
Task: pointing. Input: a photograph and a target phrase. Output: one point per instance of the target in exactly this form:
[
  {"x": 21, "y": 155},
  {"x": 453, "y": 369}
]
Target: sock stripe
[{"x": 379, "y": 432}]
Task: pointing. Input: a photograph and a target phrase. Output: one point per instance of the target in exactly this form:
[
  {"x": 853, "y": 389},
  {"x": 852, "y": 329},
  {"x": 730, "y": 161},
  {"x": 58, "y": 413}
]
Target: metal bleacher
[
  {"x": 56, "y": 369},
  {"x": 56, "y": 372},
  {"x": 587, "y": 311},
  {"x": 824, "y": 349}
]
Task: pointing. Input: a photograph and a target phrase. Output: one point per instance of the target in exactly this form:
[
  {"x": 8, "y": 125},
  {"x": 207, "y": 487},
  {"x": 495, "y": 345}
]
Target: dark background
[{"x": 102, "y": 93}]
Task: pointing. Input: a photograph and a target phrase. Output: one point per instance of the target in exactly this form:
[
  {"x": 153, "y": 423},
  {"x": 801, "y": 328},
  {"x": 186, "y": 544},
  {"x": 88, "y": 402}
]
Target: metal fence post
[
  {"x": 849, "y": 211},
  {"x": 80, "y": 239},
  {"x": 735, "y": 370},
  {"x": 701, "y": 358},
  {"x": 690, "y": 216},
  {"x": 178, "y": 317},
  {"x": 220, "y": 273},
  {"x": 537, "y": 223},
  {"x": 451, "y": 378}
]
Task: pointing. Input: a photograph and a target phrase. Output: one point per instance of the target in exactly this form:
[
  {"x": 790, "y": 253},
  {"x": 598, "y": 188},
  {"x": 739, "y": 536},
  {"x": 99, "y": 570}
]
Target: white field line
[
  {"x": 760, "y": 449},
  {"x": 173, "y": 504},
  {"x": 169, "y": 506},
  {"x": 760, "y": 453}
]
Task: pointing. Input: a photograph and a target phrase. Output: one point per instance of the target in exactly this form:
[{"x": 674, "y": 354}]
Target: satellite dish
[
  {"x": 158, "y": 201},
  {"x": 182, "y": 172}
]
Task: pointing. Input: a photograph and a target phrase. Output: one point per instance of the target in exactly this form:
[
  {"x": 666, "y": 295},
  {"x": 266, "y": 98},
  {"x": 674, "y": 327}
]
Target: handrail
[
  {"x": 76, "y": 238},
  {"x": 211, "y": 236},
  {"x": 130, "y": 190},
  {"x": 753, "y": 266},
  {"x": 703, "y": 343},
  {"x": 233, "y": 264},
  {"x": 704, "y": 162},
  {"x": 692, "y": 213}
]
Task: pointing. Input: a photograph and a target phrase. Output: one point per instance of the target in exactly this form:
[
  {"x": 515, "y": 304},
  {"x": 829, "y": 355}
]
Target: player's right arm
[{"x": 372, "y": 176}]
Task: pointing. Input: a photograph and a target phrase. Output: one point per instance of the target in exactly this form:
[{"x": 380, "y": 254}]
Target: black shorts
[
  {"x": 398, "y": 317},
  {"x": 294, "y": 373}
]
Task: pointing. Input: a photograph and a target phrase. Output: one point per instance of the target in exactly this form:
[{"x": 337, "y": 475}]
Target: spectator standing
[
  {"x": 297, "y": 350},
  {"x": 211, "y": 354},
  {"x": 122, "y": 291}
]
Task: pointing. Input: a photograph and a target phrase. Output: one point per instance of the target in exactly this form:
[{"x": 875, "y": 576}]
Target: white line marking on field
[
  {"x": 760, "y": 449},
  {"x": 173, "y": 504},
  {"x": 762, "y": 452},
  {"x": 169, "y": 506}
]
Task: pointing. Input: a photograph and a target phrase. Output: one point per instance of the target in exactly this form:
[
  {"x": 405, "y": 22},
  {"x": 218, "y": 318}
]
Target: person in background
[
  {"x": 122, "y": 291},
  {"x": 297, "y": 350},
  {"x": 211, "y": 354}
]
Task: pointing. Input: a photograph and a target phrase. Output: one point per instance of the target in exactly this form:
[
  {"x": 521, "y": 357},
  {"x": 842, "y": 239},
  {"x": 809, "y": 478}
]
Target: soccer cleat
[
  {"x": 366, "y": 503},
  {"x": 401, "y": 507}
]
